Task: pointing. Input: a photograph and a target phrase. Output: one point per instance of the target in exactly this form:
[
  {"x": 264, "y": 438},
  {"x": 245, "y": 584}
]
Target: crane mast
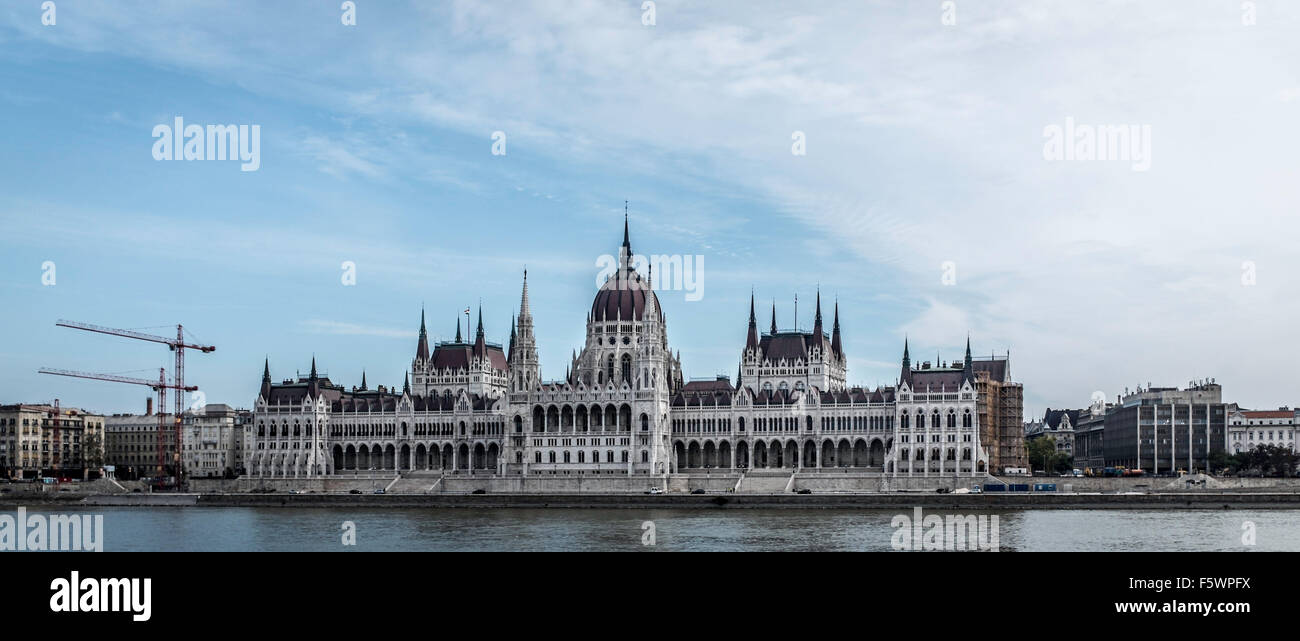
[{"x": 177, "y": 345}]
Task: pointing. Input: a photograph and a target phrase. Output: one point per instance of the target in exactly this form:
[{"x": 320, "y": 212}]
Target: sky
[{"x": 927, "y": 201}]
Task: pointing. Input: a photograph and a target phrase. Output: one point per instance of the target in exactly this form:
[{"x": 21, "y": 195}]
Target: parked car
[
  {"x": 655, "y": 490},
  {"x": 941, "y": 490},
  {"x": 803, "y": 490},
  {"x": 379, "y": 490},
  {"x": 479, "y": 491},
  {"x": 975, "y": 489},
  {"x": 354, "y": 491},
  {"x": 698, "y": 490}
]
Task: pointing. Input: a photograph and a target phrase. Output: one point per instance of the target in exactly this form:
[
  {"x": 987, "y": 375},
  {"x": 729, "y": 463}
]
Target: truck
[
  {"x": 1044, "y": 487},
  {"x": 995, "y": 487}
]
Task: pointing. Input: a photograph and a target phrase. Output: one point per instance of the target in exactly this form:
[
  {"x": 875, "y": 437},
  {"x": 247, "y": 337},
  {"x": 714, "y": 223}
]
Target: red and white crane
[
  {"x": 177, "y": 345},
  {"x": 161, "y": 386}
]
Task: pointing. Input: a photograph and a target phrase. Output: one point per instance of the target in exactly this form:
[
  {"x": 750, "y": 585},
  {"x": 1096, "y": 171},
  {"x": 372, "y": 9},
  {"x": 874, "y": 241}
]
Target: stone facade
[{"x": 624, "y": 409}]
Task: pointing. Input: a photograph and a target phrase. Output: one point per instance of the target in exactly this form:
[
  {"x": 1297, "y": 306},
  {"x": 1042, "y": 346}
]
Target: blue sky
[{"x": 925, "y": 145}]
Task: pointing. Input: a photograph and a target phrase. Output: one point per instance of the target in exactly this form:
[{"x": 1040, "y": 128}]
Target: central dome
[{"x": 622, "y": 297}]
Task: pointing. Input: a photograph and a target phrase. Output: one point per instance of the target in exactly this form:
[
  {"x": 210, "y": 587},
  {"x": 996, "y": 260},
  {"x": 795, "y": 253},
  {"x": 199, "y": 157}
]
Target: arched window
[
  {"x": 645, "y": 423},
  {"x": 627, "y": 368},
  {"x": 905, "y": 424},
  {"x": 552, "y": 457},
  {"x": 582, "y": 456},
  {"x": 934, "y": 419},
  {"x": 609, "y": 368},
  {"x": 566, "y": 456},
  {"x": 645, "y": 456},
  {"x": 952, "y": 418},
  {"x": 965, "y": 419},
  {"x": 538, "y": 457}
]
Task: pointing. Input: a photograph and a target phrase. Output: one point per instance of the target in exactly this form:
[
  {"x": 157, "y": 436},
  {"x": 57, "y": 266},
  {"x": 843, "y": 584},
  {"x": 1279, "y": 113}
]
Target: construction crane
[
  {"x": 177, "y": 345},
  {"x": 161, "y": 386}
]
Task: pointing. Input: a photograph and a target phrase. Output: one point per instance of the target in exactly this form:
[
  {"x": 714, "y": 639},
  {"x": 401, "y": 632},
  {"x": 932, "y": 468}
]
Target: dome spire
[{"x": 627, "y": 244}]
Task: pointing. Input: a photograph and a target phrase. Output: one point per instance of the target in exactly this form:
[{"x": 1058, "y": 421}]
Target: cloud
[
  {"x": 924, "y": 146},
  {"x": 338, "y": 328}
]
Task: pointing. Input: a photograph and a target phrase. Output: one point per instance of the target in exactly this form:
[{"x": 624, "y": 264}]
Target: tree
[
  {"x": 1042, "y": 455},
  {"x": 92, "y": 451},
  {"x": 1266, "y": 460}
]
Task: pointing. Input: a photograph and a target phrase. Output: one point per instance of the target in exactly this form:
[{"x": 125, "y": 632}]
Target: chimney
[{"x": 148, "y": 406}]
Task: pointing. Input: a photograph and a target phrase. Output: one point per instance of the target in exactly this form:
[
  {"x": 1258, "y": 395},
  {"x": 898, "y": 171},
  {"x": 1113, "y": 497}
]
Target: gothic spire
[
  {"x": 907, "y": 364},
  {"x": 627, "y": 244},
  {"x": 751, "y": 341},
  {"x": 458, "y": 328},
  {"x": 968, "y": 368},
  {"x": 363, "y": 380},
  {"x": 525, "y": 314},
  {"x": 836, "y": 345},
  {"x": 817, "y": 318},
  {"x": 422, "y": 347},
  {"x": 774, "y": 318}
]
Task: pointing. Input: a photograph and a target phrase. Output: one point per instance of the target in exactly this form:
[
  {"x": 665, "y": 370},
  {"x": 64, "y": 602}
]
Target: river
[{"x": 274, "y": 529}]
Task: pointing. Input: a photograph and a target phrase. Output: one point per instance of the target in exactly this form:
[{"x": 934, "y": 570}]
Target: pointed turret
[
  {"x": 817, "y": 319},
  {"x": 524, "y": 368},
  {"x": 751, "y": 340},
  {"x": 774, "y": 318},
  {"x": 837, "y": 347},
  {"x": 907, "y": 364},
  {"x": 363, "y": 380},
  {"x": 458, "y": 328},
  {"x": 968, "y": 368},
  {"x": 313, "y": 383},
  {"x": 265, "y": 392},
  {"x": 406, "y": 384},
  {"x": 510, "y": 350},
  {"x": 422, "y": 348},
  {"x": 480, "y": 341}
]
